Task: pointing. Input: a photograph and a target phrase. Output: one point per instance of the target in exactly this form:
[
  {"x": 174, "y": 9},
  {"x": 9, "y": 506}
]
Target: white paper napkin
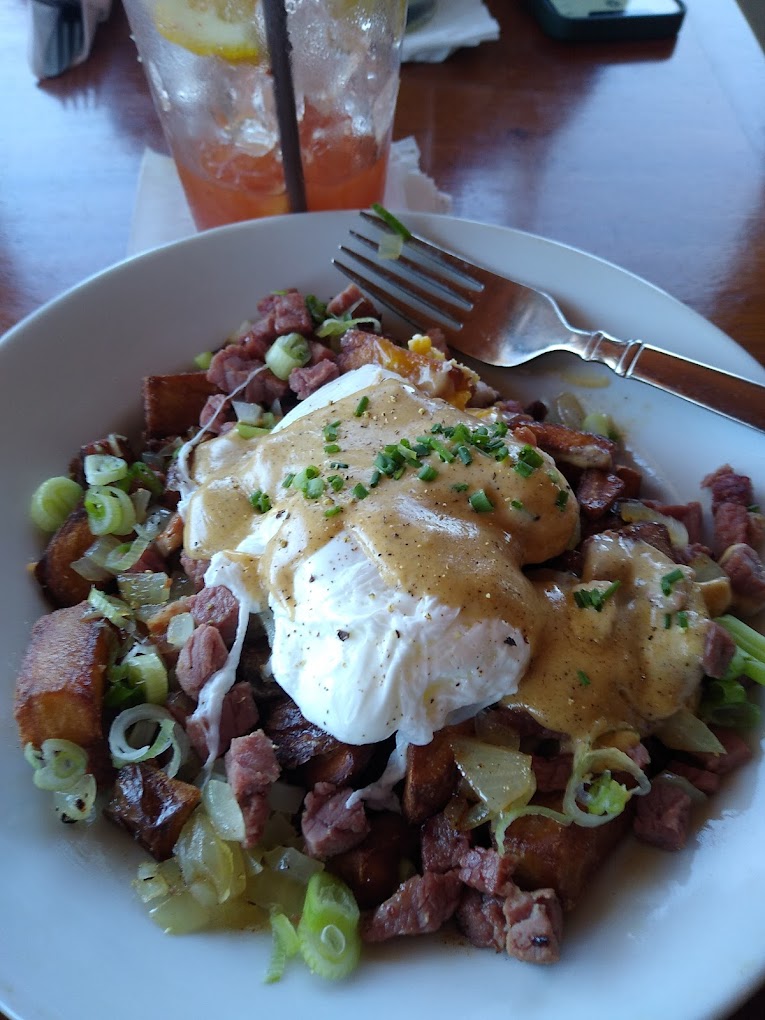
[
  {"x": 61, "y": 33},
  {"x": 455, "y": 23},
  {"x": 161, "y": 213}
]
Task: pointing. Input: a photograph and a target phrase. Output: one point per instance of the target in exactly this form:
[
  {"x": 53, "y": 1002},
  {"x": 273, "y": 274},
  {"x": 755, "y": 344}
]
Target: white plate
[{"x": 671, "y": 935}]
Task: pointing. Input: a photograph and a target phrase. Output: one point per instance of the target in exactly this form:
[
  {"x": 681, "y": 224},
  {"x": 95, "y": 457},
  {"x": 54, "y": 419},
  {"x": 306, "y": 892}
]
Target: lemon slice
[{"x": 224, "y": 28}]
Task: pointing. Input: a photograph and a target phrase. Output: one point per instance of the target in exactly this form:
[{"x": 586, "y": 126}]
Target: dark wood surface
[{"x": 649, "y": 154}]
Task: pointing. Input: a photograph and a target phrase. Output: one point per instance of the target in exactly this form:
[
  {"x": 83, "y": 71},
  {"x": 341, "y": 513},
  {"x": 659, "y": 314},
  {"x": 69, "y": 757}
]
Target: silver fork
[{"x": 504, "y": 323}]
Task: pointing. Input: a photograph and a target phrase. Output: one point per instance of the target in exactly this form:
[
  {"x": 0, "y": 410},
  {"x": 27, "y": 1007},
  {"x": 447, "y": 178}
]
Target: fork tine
[
  {"x": 441, "y": 308},
  {"x": 473, "y": 274},
  {"x": 459, "y": 294},
  {"x": 381, "y": 295}
]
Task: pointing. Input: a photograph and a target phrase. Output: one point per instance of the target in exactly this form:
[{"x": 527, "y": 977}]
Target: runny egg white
[{"x": 404, "y": 608}]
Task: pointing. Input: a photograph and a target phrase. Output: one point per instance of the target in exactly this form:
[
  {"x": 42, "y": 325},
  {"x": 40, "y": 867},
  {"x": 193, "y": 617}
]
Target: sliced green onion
[
  {"x": 427, "y": 473},
  {"x": 480, "y": 502},
  {"x": 168, "y": 734},
  {"x": 391, "y": 221},
  {"x": 333, "y": 511},
  {"x": 58, "y": 765},
  {"x": 390, "y": 246},
  {"x": 316, "y": 309},
  {"x": 328, "y": 932},
  {"x": 336, "y": 481},
  {"x": 747, "y": 639},
  {"x": 124, "y": 556},
  {"x": 76, "y": 804},
  {"x": 336, "y": 327},
  {"x": 606, "y": 796},
  {"x": 287, "y": 353},
  {"x": 359, "y": 491},
  {"x": 285, "y": 944},
  {"x": 587, "y": 764},
  {"x": 726, "y": 703},
  {"x": 112, "y": 609},
  {"x": 110, "y": 510},
  {"x": 247, "y": 431},
  {"x": 103, "y": 469},
  {"x": 146, "y": 671},
  {"x": 331, "y": 448},
  {"x": 361, "y": 407},
  {"x": 52, "y": 502}
]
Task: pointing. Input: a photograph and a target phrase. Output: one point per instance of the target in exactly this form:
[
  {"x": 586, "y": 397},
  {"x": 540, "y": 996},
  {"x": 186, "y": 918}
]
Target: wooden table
[{"x": 651, "y": 155}]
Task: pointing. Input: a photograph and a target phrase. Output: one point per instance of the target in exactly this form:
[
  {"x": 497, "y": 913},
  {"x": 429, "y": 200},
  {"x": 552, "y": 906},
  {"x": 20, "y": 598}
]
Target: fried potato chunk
[
  {"x": 172, "y": 403},
  {"x": 62, "y": 585},
  {"x": 60, "y": 686},
  {"x": 563, "y": 858}
]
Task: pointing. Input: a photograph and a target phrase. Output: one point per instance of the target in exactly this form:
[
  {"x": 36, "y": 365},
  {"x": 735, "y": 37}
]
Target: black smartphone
[{"x": 609, "y": 19}]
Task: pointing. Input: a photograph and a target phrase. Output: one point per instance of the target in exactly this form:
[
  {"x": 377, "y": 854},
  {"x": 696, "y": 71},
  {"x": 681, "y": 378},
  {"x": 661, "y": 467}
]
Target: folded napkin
[
  {"x": 161, "y": 213},
  {"x": 62, "y": 32},
  {"x": 454, "y": 24}
]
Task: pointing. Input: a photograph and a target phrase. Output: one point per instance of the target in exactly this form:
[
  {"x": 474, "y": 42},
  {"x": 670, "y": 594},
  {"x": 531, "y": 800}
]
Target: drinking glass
[{"x": 217, "y": 90}]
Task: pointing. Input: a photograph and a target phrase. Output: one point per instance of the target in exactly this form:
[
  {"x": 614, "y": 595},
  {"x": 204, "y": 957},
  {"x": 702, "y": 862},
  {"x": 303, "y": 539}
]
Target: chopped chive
[
  {"x": 314, "y": 488},
  {"x": 359, "y": 491},
  {"x": 593, "y": 598},
  {"x": 523, "y": 468},
  {"x": 682, "y": 619},
  {"x": 336, "y": 482},
  {"x": 398, "y": 472},
  {"x": 460, "y": 487},
  {"x": 331, "y": 448},
  {"x": 517, "y": 504},
  {"x": 374, "y": 479},
  {"x": 480, "y": 502},
  {"x": 501, "y": 453},
  {"x": 361, "y": 407},
  {"x": 330, "y": 431},
  {"x": 338, "y": 465},
  {"x": 667, "y": 621},
  {"x": 443, "y": 451},
  {"x": 531, "y": 456},
  {"x": 500, "y": 428},
  {"x": 202, "y": 361},
  {"x": 464, "y": 455},
  {"x": 428, "y": 473},
  {"x": 288, "y": 480},
  {"x": 260, "y": 501},
  {"x": 561, "y": 499},
  {"x": 333, "y": 511},
  {"x": 436, "y": 429},
  {"x": 421, "y": 449},
  {"x": 670, "y": 579},
  {"x": 582, "y": 677}
]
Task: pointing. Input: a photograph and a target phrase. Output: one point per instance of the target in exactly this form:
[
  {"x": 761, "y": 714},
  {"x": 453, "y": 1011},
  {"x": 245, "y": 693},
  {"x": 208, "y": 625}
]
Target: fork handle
[{"x": 727, "y": 394}]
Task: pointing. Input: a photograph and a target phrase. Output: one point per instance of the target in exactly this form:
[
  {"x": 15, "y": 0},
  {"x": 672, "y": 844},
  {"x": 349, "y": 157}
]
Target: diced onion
[
  {"x": 633, "y": 511},
  {"x": 112, "y": 609},
  {"x": 125, "y": 555},
  {"x": 212, "y": 868},
  {"x": 567, "y": 410},
  {"x": 144, "y": 588},
  {"x": 179, "y": 629},
  {"x": 289, "y": 859},
  {"x": 684, "y": 731},
  {"x": 249, "y": 413},
  {"x": 223, "y": 810},
  {"x": 92, "y": 564},
  {"x": 154, "y": 523},
  {"x": 499, "y": 776}
]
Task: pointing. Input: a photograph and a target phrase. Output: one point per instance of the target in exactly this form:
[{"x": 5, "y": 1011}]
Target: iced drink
[{"x": 209, "y": 69}]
